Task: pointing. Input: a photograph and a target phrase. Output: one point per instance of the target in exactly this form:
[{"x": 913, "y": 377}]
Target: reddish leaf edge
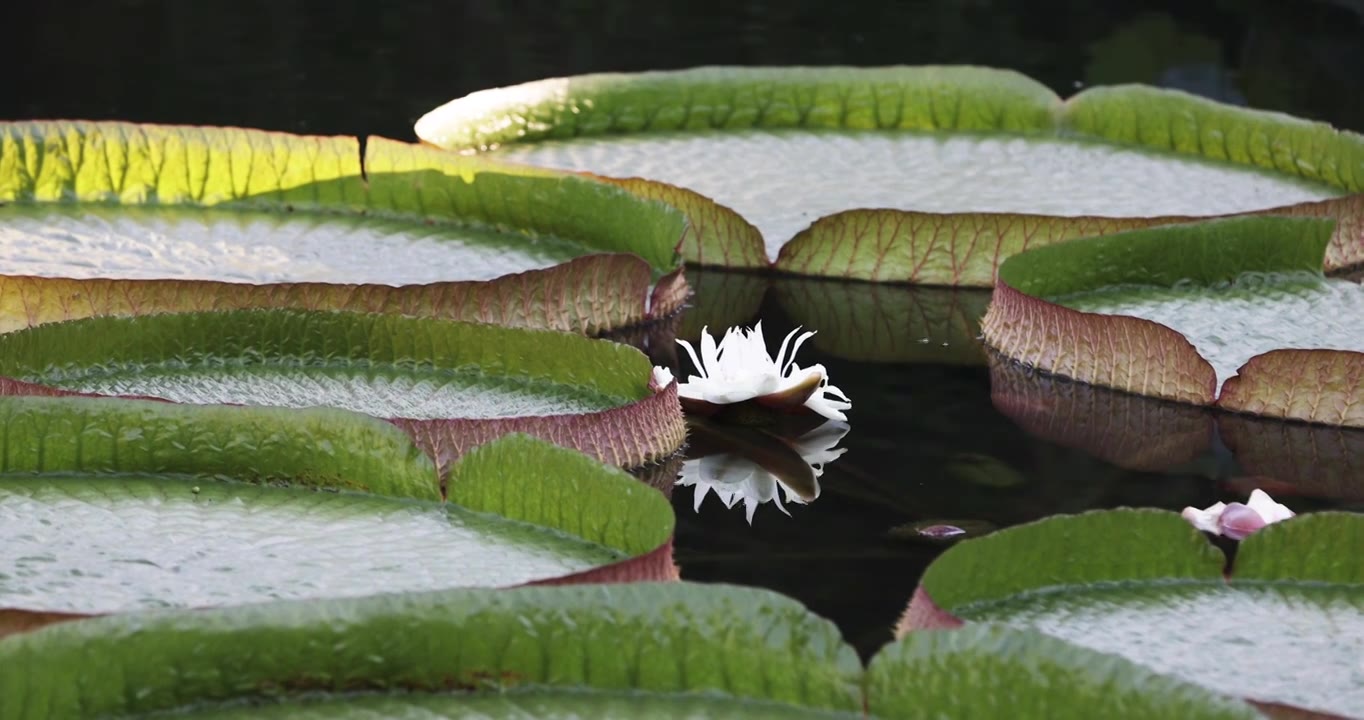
[
  {"x": 657, "y": 565},
  {"x": 630, "y": 436},
  {"x": 591, "y": 295},
  {"x": 811, "y": 246},
  {"x": 1326, "y": 387}
]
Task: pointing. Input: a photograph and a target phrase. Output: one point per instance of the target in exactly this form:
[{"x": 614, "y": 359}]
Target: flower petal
[
  {"x": 796, "y": 348},
  {"x": 1205, "y": 520},
  {"x": 695, "y": 361},
  {"x": 831, "y": 390},
  {"x": 832, "y": 409},
  {"x": 1264, "y": 505},
  {"x": 1238, "y": 521},
  {"x": 710, "y": 354},
  {"x": 663, "y": 377}
]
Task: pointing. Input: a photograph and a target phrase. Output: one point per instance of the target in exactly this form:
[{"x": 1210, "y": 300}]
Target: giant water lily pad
[
  {"x": 123, "y": 219},
  {"x": 113, "y": 505},
  {"x": 1171, "y": 312},
  {"x": 140, "y": 542},
  {"x": 1284, "y": 626},
  {"x": 673, "y": 645},
  {"x": 922, "y": 174},
  {"x": 451, "y": 385},
  {"x": 690, "y": 651}
]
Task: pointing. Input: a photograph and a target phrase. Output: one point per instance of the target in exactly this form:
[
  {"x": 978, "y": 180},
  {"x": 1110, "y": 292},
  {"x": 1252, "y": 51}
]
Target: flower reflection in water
[{"x": 756, "y": 466}]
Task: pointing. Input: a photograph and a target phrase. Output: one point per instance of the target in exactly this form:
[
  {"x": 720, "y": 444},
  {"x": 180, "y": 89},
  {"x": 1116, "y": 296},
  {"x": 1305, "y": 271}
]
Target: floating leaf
[
  {"x": 316, "y": 447},
  {"x": 1324, "y": 386},
  {"x": 711, "y": 227},
  {"x": 113, "y": 505},
  {"x": 1144, "y": 585},
  {"x": 450, "y": 385},
  {"x": 549, "y": 704},
  {"x": 681, "y": 644},
  {"x": 116, "y": 218},
  {"x": 965, "y": 249},
  {"x": 1029, "y": 675},
  {"x": 587, "y": 295},
  {"x": 928, "y": 174},
  {"x": 98, "y": 546},
  {"x": 1140, "y": 311},
  {"x": 692, "y": 650}
]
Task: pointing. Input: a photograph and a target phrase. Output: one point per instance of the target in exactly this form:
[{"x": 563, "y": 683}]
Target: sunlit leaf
[
  {"x": 929, "y": 175},
  {"x": 117, "y": 218}
]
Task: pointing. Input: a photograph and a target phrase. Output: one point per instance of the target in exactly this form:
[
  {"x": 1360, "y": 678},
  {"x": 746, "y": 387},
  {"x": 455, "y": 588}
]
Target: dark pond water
[{"x": 929, "y": 444}]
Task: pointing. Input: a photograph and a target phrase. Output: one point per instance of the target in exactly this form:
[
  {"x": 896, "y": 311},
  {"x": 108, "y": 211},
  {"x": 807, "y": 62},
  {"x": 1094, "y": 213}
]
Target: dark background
[
  {"x": 373, "y": 67},
  {"x": 927, "y": 444}
]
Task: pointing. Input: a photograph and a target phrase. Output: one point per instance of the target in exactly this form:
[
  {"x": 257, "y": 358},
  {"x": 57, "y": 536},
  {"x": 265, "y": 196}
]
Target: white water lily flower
[
  {"x": 1238, "y": 520},
  {"x": 739, "y": 368},
  {"x": 734, "y": 478}
]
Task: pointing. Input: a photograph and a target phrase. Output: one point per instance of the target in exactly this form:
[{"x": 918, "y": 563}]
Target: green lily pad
[
  {"x": 79, "y": 546},
  {"x": 114, "y": 218},
  {"x": 113, "y": 505},
  {"x": 1284, "y": 627},
  {"x": 691, "y": 651},
  {"x": 319, "y": 448},
  {"x": 938, "y": 173},
  {"x": 253, "y": 247},
  {"x": 992, "y": 671},
  {"x": 673, "y": 640},
  {"x": 518, "y": 704},
  {"x": 452, "y": 385},
  {"x": 1145, "y": 311},
  {"x": 1252, "y": 314}
]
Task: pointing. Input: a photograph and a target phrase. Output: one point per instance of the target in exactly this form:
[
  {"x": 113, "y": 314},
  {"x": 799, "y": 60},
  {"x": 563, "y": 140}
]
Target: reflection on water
[
  {"x": 1240, "y": 451},
  {"x": 871, "y": 322},
  {"x": 755, "y": 466}
]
